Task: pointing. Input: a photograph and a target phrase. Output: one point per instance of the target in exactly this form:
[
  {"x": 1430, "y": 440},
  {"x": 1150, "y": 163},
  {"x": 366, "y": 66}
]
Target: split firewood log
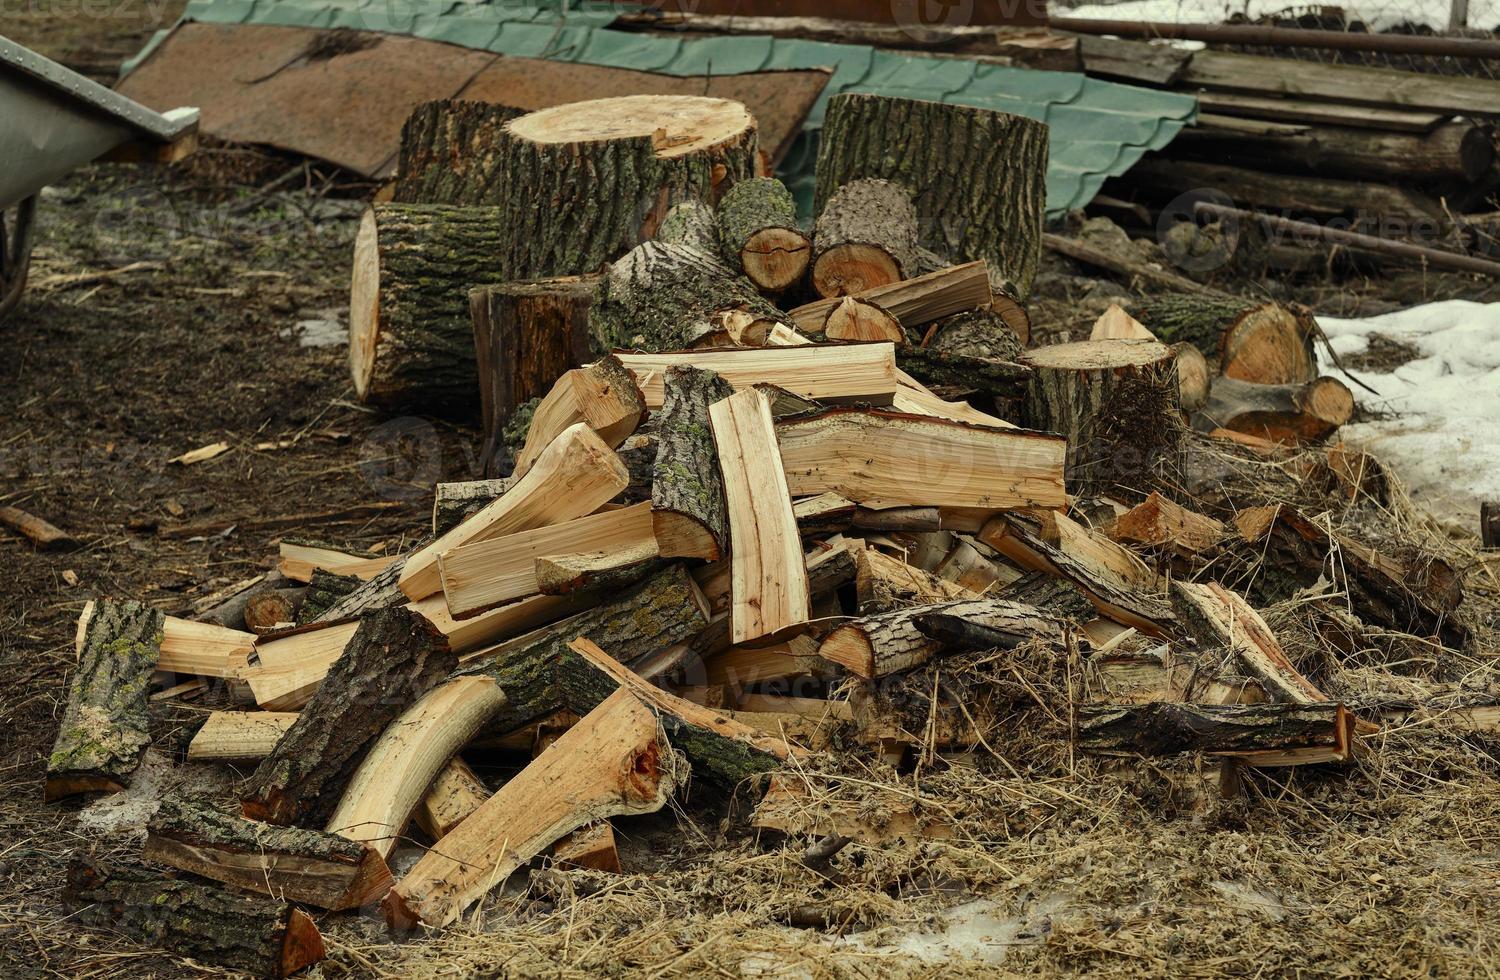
[
  {"x": 447, "y": 152},
  {"x": 241, "y": 932},
  {"x": 995, "y": 213},
  {"x": 602, "y": 395},
  {"x": 601, "y": 572},
  {"x": 1115, "y": 324},
  {"x": 855, "y": 319},
  {"x": 864, "y": 373},
  {"x": 1289, "y": 413},
  {"x": 758, "y": 234},
  {"x": 591, "y": 848},
  {"x": 1160, "y": 523},
  {"x": 865, "y": 237},
  {"x": 688, "y": 512},
  {"x": 886, "y": 643},
  {"x": 1263, "y": 343},
  {"x": 1220, "y": 619},
  {"x": 454, "y": 503},
  {"x": 1255, "y": 734},
  {"x": 912, "y": 302},
  {"x": 883, "y": 583},
  {"x": 104, "y": 731},
  {"x": 239, "y": 736},
  {"x": 453, "y": 796}
]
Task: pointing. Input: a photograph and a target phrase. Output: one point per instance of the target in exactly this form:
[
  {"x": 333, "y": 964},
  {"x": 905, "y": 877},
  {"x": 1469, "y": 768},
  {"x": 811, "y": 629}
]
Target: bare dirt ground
[{"x": 1389, "y": 867}]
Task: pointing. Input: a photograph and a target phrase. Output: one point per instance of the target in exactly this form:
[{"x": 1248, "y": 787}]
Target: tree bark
[
  {"x": 324, "y": 592},
  {"x": 602, "y": 572},
  {"x": 1489, "y": 523},
  {"x": 411, "y": 341},
  {"x": 691, "y": 223},
  {"x": 758, "y": 234},
  {"x": 1117, "y": 403},
  {"x": 1266, "y": 343},
  {"x": 264, "y": 939},
  {"x": 865, "y": 238},
  {"x": 976, "y": 333},
  {"x": 1453, "y": 151},
  {"x": 1291, "y": 413},
  {"x": 687, "y": 491},
  {"x": 1169, "y": 728},
  {"x": 526, "y": 336},
  {"x": 104, "y": 731},
  {"x": 454, "y": 503},
  {"x": 380, "y": 592},
  {"x": 394, "y": 657},
  {"x": 905, "y": 638},
  {"x": 978, "y": 176},
  {"x": 1005, "y": 381},
  {"x": 448, "y": 153}
]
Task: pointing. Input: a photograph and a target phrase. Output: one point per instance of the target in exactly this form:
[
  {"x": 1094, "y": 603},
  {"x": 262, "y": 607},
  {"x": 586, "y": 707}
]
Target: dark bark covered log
[
  {"x": 324, "y": 591},
  {"x": 664, "y": 297},
  {"x": 448, "y": 153},
  {"x": 690, "y": 223},
  {"x": 393, "y": 658},
  {"x": 104, "y": 731},
  {"x": 1266, "y": 343},
  {"x": 411, "y": 341},
  {"x": 1168, "y": 728},
  {"x": 587, "y": 182},
  {"x": 1290, "y": 413},
  {"x": 866, "y": 237},
  {"x": 977, "y": 333},
  {"x": 904, "y": 638},
  {"x": 1489, "y": 523},
  {"x": 1454, "y": 150},
  {"x": 526, "y": 336},
  {"x": 259, "y": 937},
  {"x": 454, "y": 503},
  {"x": 379, "y": 592},
  {"x": 1224, "y": 623},
  {"x": 1007, "y": 380},
  {"x": 1117, "y": 403},
  {"x": 993, "y": 212},
  {"x": 758, "y": 234},
  {"x": 311, "y": 866},
  {"x": 687, "y": 493}
]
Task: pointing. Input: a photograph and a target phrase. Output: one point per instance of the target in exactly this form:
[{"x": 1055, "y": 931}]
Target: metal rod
[
  {"x": 1290, "y": 37},
  {"x": 1369, "y": 243}
]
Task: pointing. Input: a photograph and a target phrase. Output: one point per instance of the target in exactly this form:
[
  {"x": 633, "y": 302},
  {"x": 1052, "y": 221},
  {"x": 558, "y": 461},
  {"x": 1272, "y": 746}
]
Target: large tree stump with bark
[
  {"x": 585, "y": 183},
  {"x": 993, "y": 211},
  {"x": 758, "y": 234},
  {"x": 1116, "y": 401},
  {"x": 688, "y": 513},
  {"x": 259, "y": 937},
  {"x": 1265, "y": 343},
  {"x": 664, "y": 297},
  {"x": 448, "y": 153},
  {"x": 394, "y": 657},
  {"x": 526, "y": 336},
  {"x": 866, "y": 237},
  {"x": 411, "y": 342},
  {"x": 104, "y": 731}
]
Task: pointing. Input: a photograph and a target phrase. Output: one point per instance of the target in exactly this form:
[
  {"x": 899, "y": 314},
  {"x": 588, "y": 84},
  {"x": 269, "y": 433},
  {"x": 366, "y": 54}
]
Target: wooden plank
[
  {"x": 298, "y": 561},
  {"x": 825, "y": 372},
  {"x": 1303, "y": 110}
]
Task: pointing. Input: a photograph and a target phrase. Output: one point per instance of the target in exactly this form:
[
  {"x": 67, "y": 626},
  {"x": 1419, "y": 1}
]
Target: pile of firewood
[{"x": 725, "y": 535}]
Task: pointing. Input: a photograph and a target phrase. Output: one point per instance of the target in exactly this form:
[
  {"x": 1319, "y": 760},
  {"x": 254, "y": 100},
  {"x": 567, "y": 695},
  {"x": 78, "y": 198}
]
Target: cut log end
[
  {"x": 847, "y": 269},
  {"x": 683, "y": 536},
  {"x": 364, "y": 303},
  {"x": 676, "y": 124},
  {"x": 776, "y": 258},
  {"x": 302, "y": 946},
  {"x": 859, "y": 319}
]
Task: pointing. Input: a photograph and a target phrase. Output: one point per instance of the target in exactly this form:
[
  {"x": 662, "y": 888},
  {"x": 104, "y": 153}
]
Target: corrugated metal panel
[{"x": 1098, "y": 129}]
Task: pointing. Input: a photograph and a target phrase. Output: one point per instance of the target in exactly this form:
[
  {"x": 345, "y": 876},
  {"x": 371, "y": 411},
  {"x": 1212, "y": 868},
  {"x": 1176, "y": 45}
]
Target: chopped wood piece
[
  {"x": 613, "y": 762},
  {"x": 1117, "y": 403},
  {"x": 883, "y": 583},
  {"x": 887, "y": 459},
  {"x": 575, "y": 475},
  {"x": 325, "y": 591},
  {"x": 742, "y": 667},
  {"x": 299, "y": 561},
  {"x": 1219, "y": 618},
  {"x": 395, "y": 775},
  {"x": 994, "y": 212},
  {"x": 768, "y": 573},
  {"x": 866, "y": 237},
  {"x": 856, "y": 319},
  {"x": 239, "y": 736},
  {"x": 1159, "y": 523},
  {"x": 1291, "y": 413},
  {"x": 269, "y": 609},
  {"x": 1194, "y": 380},
  {"x": 393, "y": 658},
  {"x": 1255, "y": 734},
  {"x": 688, "y": 513},
  {"x": 982, "y": 333},
  {"x": 912, "y": 302},
  {"x": 975, "y": 566},
  {"x": 446, "y": 152},
  {"x": 1265, "y": 343},
  {"x": 758, "y": 234},
  {"x": 1004, "y": 381},
  {"x": 379, "y": 591},
  {"x": 264, "y": 939},
  {"x": 1115, "y": 324},
  {"x": 1489, "y": 523},
  {"x": 591, "y": 848},
  {"x": 454, "y": 503},
  {"x": 42, "y": 534},
  {"x": 202, "y": 649},
  {"x": 310, "y": 866},
  {"x": 719, "y": 748},
  {"x": 604, "y": 396},
  {"x": 598, "y": 571},
  {"x": 104, "y": 731},
  {"x": 454, "y": 794},
  {"x": 904, "y": 638},
  {"x": 485, "y": 574},
  {"x": 828, "y": 373},
  {"x": 827, "y": 513}
]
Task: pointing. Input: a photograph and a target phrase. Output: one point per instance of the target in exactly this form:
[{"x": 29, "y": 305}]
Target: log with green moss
[
  {"x": 448, "y": 153},
  {"x": 1263, "y": 343},
  {"x": 688, "y": 512},
  {"x": 104, "y": 731},
  {"x": 325, "y": 589},
  {"x": 690, "y": 223},
  {"x": 758, "y": 234}
]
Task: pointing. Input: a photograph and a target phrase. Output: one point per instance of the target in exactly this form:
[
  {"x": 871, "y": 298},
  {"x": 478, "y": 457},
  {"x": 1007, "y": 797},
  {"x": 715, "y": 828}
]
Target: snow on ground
[
  {"x": 1443, "y": 436},
  {"x": 1378, "y": 14}
]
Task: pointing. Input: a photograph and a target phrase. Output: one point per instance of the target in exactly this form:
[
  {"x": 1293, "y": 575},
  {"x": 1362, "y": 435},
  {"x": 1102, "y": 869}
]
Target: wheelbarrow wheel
[{"x": 15, "y": 252}]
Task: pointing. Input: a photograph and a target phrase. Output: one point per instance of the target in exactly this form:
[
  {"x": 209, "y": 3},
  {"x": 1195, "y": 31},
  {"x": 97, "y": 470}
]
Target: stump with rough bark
[
  {"x": 758, "y": 234},
  {"x": 1117, "y": 403},
  {"x": 688, "y": 514},
  {"x": 448, "y": 153},
  {"x": 866, "y": 237},
  {"x": 978, "y": 176}
]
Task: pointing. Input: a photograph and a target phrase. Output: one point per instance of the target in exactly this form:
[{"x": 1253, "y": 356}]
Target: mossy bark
[
  {"x": 686, "y": 481},
  {"x": 977, "y": 333},
  {"x": 448, "y": 153},
  {"x": 874, "y": 217},
  {"x": 325, "y": 590},
  {"x": 380, "y": 592},
  {"x": 1003, "y": 380},
  {"x": 691, "y": 223},
  {"x": 104, "y": 731},
  {"x": 758, "y": 234},
  {"x": 978, "y": 176},
  {"x": 1224, "y": 329},
  {"x": 394, "y": 657}
]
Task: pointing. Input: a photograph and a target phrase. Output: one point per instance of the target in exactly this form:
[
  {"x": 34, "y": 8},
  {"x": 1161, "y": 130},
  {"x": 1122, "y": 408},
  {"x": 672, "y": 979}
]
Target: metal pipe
[{"x": 1290, "y": 37}]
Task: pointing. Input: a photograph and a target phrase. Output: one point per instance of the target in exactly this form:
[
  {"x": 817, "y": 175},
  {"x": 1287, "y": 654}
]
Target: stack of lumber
[{"x": 717, "y": 550}]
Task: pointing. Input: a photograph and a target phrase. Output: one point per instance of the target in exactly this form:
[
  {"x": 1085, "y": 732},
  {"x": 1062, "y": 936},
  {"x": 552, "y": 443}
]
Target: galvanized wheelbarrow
[{"x": 52, "y": 121}]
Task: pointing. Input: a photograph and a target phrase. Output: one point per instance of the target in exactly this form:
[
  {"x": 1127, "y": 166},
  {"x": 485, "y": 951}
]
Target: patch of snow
[
  {"x": 1377, "y": 14},
  {"x": 323, "y": 328},
  {"x": 975, "y": 930},
  {"x": 1444, "y": 437}
]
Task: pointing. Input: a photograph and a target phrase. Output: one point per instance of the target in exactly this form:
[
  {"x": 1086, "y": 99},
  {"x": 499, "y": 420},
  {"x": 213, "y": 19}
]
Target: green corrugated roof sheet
[{"x": 1098, "y": 129}]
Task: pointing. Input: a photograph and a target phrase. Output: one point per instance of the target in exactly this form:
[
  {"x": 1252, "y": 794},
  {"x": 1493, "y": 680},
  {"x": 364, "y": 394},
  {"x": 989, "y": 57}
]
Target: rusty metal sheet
[{"x": 342, "y": 96}]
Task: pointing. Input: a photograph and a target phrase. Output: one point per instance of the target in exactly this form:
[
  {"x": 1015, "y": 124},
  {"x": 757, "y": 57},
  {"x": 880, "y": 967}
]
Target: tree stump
[
  {"x": 1117, "y": 403},
  {"x": 584, "y": 183},
  {"x": 448, "y": 153},
  {"x": 758, "y": 234},
  {"x": 411, "y": 343},
  {"x": 866, "y": 237},
  {"x": 526, "y": 336},
  {"x": 978, "y": 176},
  {"x": 104, "y": 731}
]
